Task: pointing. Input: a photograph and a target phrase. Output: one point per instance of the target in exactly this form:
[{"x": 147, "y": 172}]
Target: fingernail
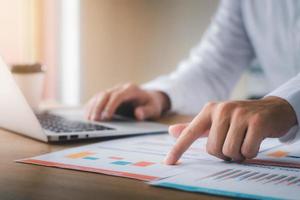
[
  {"x": 169, "y": 160},
  {"x": 170, "y": 129}
]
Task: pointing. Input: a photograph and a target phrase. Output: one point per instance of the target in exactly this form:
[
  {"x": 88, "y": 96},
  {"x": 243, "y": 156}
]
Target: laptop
[{"x": 61, "y": 124}]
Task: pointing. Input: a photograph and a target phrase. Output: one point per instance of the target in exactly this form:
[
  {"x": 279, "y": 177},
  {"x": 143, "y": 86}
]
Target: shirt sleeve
[
  {"x": 290, "y": 91},
  {"x": 213, "y": 67}
]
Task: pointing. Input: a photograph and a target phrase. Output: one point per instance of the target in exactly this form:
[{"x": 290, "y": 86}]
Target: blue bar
[
  {"x": 90, "y": 158},
  {"x": 120, "y": 162}
]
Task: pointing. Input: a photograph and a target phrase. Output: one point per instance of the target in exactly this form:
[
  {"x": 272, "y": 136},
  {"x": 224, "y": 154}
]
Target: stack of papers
[{"x": 142, "y": 158}]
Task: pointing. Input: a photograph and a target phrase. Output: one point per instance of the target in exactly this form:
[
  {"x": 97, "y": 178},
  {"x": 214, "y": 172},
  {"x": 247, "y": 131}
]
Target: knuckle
[
  {"x": 212, "y": 149},
  {"x": 225, "y": 107},
  {"x": 110, "y": 90},
  {"x": 101, "y": 95},
  {"x": 248, "y": 152},
  {"x": 239, "y": 112},
  {"x": 209, "y": 105},
  {"x": 191, "y": 130},
  {"x": 256, "y": 120},
  {"x": 221, "y": 112},
  {"x": 231, "y": 152},
  {"x": 104, "y": 93},
  {"x": 98, "y": 99},
  {"x": 116, "y": 95},
  {"x": 129, "y": 85}
]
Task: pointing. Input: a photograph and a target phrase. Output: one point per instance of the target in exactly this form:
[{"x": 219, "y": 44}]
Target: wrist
[
  {"x": 166, "y": 102},
  {"x": 163, "y": 100},
  {"x": 285, "y": 107}
]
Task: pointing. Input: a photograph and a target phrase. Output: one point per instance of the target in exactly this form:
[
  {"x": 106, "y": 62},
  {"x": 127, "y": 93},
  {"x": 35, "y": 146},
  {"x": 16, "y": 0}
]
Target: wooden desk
[{"x": 22, "y": 181}]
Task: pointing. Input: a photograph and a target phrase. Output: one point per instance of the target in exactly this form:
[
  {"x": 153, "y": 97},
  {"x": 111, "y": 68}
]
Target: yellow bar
[{"x": 79, "y": 155}]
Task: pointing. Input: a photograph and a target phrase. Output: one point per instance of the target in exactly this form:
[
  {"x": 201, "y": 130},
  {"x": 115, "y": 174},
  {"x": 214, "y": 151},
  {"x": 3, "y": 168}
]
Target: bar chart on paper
[
  {"x": 99, "y": 159},
  {"x": 234, "y": 180},
  {"x": 112, "y": 160},
  {"x": 139, "y": 158},
  {"x": 253, "y": 176}
]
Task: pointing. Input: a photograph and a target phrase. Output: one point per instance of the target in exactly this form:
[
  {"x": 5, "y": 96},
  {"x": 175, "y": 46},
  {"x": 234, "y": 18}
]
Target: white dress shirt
[{"x": 241, "y": 31}]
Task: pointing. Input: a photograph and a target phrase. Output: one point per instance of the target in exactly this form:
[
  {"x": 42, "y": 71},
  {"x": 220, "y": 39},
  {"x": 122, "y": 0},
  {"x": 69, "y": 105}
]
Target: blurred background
[{"x": 91, "y": 45}]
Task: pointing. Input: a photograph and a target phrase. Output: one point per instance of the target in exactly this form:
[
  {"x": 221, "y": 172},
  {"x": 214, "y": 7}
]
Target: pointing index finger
[{"x": 196, "y": 129}]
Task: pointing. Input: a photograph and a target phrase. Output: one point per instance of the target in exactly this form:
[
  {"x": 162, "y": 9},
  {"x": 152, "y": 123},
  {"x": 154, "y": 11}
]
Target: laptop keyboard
[{"x": 59, "y": 124}]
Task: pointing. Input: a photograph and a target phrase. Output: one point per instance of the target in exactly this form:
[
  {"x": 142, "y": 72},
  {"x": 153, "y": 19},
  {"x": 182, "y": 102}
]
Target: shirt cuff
[
  {"x": 163, "y": 84},
  {"x": 291, "y": 136}
]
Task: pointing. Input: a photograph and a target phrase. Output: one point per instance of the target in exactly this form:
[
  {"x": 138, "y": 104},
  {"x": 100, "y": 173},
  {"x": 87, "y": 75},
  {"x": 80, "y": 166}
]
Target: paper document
[
  {"x": 136, "y": 157},
  {"x": 287, "y": 155},
  {"x": 242, "y": 181},
  {"x": 142, "y": 158}
]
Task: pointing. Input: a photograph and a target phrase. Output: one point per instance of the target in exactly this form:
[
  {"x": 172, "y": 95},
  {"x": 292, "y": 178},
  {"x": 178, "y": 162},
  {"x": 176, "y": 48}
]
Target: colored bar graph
[{"x": 251, "y": 176}]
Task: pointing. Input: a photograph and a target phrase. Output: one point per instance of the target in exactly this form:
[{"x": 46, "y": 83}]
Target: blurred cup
[{"x": 30, "y": 79}]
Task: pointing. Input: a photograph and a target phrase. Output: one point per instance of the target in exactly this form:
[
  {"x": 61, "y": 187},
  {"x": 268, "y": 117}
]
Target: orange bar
[
  {"x": 115, "y": 158},
  {"x": 278, "y": 154}
]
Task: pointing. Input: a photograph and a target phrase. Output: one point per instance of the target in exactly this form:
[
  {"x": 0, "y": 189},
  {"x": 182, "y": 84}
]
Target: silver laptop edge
[{"x": 17, "y": 116}]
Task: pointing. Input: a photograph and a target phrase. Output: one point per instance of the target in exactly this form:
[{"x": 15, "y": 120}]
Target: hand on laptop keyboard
[
  {"x": 59, "y": 124},
  {"x": 145, "y": 104}
]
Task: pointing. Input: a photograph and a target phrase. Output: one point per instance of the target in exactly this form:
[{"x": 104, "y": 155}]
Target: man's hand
[
  {"x": 147, "y": 104},
  {"x": 235, "y": 129}
]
